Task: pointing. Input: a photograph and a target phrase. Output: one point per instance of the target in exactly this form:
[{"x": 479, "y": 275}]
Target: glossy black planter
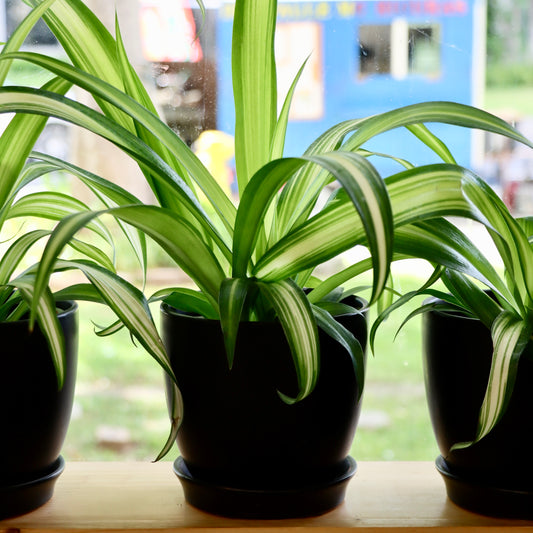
[
  {"x": 34, "y": 414},
  {"x": 244, "y": 452},
  {"x": 494, "y": 476}
]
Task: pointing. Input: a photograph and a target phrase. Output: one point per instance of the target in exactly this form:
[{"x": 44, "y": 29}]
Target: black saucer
[
  {"x": 22, "y": 497},
  {"x": 284, "y": 502},
  {"x": 486, "y": 497}
]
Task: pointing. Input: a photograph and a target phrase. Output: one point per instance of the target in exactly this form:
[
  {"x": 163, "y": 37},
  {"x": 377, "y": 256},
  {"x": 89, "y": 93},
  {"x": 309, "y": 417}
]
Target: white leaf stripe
[
  {"x": 296, "y": 317},
  {"x": 372, "y": 202},
  {"x": 54, "y": 206},
  {"x": 253, "y": 65},
  {"x": 46, "y": 315},
  {"x": 300, "y": 194},
  {"x": 443, "y": 112},
  {"x": 507, "y": 333}
]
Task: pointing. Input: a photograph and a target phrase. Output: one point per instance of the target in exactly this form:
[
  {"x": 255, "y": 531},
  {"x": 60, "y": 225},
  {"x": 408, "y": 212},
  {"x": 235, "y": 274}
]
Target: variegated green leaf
[
  {"x": 54, "y": 206},
  {"x": 254, "y": 85},
  {"x": 188, "y": 300},
  {"x": 12, "y": 257},
  {"x": 472, "y": 297},
  {"x": 46, "y": 315},
  {"x": 25, "y": 100},
  {"x": 88, "y": 44},
  {"x": 134, "y": 87},
  {"x": 440, "y": 242},
  {"x": 424, "y": 112},
  {"x": 415, "y": 195},
  {"x": 79, "y": 292},
  {"x": 233, "y": 293},
  {"x": 402, "y": 300},
  {"x": 109, "y": 193},
  {"x": 253, "y": 207},
  {"x": 296, "y": 317},
  {"x": 129, "y": 304},
  {"x": 176, "y": 236},
  {"x": 432, "y": 141},
  {"x": 16, "y": 143},
  {"x": 280, "y": 131},
  {"x": 175, "y": 407},
  {"x": 507, "y": 235},
  {"x": 510, "y": 334},
  {"x": 19, "y": 34},
  {"x": 367, "y": 191},
  {"x": 363, "y": 186}
]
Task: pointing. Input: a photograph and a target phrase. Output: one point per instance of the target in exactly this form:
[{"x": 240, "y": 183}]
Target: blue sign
[{"x": 366, "y": 57}]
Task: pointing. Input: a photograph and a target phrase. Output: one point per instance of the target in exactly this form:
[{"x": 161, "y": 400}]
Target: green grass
[
  {"x": 510, "y": 100},
  {"x": 395, "y": 422},
  {"x": 120, "y": 387}
]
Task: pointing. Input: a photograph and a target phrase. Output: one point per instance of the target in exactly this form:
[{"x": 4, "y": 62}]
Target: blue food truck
[{"x": 366, "y": 57}]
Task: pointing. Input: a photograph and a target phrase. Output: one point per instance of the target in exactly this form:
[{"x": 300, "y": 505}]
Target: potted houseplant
[
  {"x": 253, "y": 263},
  {"x": 38, "y": 364},
  {"x": 39, "y": 355},
  {"x": 477, "y": 356}
]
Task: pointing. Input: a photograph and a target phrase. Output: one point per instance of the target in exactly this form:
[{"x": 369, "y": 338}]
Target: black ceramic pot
[
  {"x": 244, "y": 452},
  {"x": 34, "y": 414},
  {"x": 495, "y": 475}
]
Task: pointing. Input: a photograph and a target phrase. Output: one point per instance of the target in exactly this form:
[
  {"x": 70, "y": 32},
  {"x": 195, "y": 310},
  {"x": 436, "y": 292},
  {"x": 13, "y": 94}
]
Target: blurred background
[{"x": 366, "y": 57}]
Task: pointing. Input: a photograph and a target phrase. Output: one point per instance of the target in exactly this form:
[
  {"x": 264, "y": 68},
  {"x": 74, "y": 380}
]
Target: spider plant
[
  {"x": 254, "y": 261},
  {"x": 25, "y": 215},
  {"x": 502, "y": 302}
]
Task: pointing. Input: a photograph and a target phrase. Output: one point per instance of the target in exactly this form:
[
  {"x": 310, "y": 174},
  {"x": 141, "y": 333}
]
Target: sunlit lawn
[
  {"x": 119, "y": 388},
  {"x": 513, "y": 101}
]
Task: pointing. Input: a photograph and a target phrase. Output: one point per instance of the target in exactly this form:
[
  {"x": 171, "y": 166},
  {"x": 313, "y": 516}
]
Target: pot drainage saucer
[
  {"x": 485, "y": 497},
  {"x": 22, "y": 497},
  {"x": 271, "y": 503}
]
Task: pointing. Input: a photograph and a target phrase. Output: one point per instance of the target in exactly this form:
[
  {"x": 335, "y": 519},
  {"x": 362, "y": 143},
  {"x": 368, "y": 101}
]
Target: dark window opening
[{"x": 374, "y": 49}]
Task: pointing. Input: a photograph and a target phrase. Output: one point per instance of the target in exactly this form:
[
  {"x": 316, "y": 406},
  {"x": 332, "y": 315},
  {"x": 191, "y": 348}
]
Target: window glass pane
[{"x": 365, "y": 57}]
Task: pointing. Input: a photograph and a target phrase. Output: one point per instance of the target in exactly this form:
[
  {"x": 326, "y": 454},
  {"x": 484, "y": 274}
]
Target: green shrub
[{"x": 509, "y": 74}]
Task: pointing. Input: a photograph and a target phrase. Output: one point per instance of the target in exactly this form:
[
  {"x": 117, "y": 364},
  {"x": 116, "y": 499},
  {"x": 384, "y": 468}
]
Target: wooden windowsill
[{"x": 133, "y": 497}]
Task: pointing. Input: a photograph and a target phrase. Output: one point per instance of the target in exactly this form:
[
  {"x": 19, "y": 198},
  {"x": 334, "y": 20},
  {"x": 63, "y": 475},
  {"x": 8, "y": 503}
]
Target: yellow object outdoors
[{"x": 216, "y": 150}]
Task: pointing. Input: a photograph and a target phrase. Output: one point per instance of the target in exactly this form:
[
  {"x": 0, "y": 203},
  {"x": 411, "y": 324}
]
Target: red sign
[
  {"x": 432, "y": 8},
  {"x": 168, "y": 31}
]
